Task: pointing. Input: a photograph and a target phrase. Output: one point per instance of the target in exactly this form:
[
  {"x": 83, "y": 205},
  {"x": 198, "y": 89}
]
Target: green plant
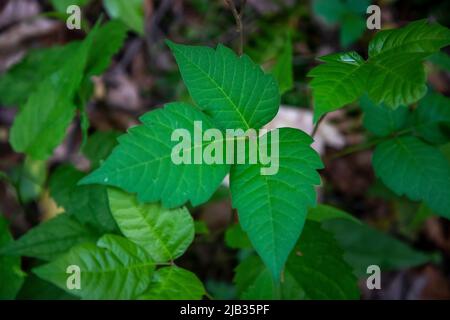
[{"x": 126, "y": 222}]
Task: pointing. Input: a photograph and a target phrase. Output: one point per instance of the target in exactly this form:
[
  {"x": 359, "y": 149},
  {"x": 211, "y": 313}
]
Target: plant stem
[
  {"x": 313, "y": 133},
  {"x": 238, "y": 17},
  {"x": 357, "y": 147}
]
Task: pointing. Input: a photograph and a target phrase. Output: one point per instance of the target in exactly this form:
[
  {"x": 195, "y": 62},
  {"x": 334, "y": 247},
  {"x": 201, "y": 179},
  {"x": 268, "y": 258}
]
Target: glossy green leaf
[
  {"x": 272, "y": 208},
  {"x": 144, "y": 153},
  {"x": 88, "y": 204},
  {"x": 419, "y": 37},
  {"x": 174, "y": 283},
  {"x": 233, "y": 90},
  {"x": 11, "y": 276},
  {"x": 315, "y": 270},
  {"x": 364, "y": 246},
  {"x": 337, "y": 82},
  {"x": 50, "y": 239},
  {"x": 396, "y": 56},
  {"x": 165, "y": 234},
  {"x": 393, "y": 75},
  {"x": 413, "y": 168},
  {"x": 114, "y": 269}
]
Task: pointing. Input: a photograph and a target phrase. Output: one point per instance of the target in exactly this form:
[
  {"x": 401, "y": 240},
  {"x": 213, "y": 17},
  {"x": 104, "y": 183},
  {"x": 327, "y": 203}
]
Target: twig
[
  {"x": 238, "y": 17},
  {"x": 313, "y": 133},
  {"x": 356, "y": 148}
]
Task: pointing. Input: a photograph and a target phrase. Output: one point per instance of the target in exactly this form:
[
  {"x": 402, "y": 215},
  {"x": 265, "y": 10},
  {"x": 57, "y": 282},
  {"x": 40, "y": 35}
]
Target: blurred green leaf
[
  {"x": 130, "y": 12},
  {"x": 99, "y": 146},
  {"x": 364, "y": 246},
  {"x": 283, "y": 69},
  {"x": 413, "y": 168},
  {"x": 381, "y": 120},
  {"x": 441, "y": 59},
  {"x": 62, "y": 5},
  {"x": 11, "y": 276},
  {"x": 432, "y": 118},
  {"x": 29, "y": 178},
  {"x": 236, "y": 238},
  {"x": 324, "y": 212},
  {"x": 88, "y": 204},
  {"x": 50, "y": 239},
  {"x": 35, "y": 288},
  {"x": 349, "y": 14}
]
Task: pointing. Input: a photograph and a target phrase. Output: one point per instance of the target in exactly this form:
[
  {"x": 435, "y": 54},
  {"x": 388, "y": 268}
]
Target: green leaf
[
  {"x": 393, "y": 75},
  {"x": 62, "y": 5},
  {"x": 42, "y": 122},
  {"x": 272, "y": 208},
  {"x": 413, "y": 168},
  {"x": 50, "y": 82},
  {"x": 114, "y": 269},
  {"x": 396, "y": 56},
  {"x": 29, "y": 178},
  {"x": 50, "y": 239},
  {"x": 365, "y": 246},
  {"x": 99, "y": 146},
  {"x": 201, "y": 227},
  {"x": 432, "y": 118},
  {"x": 315, "y": 270},
  {"x": 236, "y": 238},
  {"x": 11, "y": 276},
  {"x": 233, "y": 90},
  {"x": 440, "y": 59},
  {"x": 283, "y": 69},
  {"x": 130, "y": 12},
  {"x": 26, "y": 76},
  {"x": 35, "y": 288},
  {"x": 108, "y": 39},
  {"x": 174, "y": 283},
  {"x": 350, "y": 14},
  {"x": 337, "y": 82},
  {"x": 381, "y": 120},
  {"x": 165, "y": 234},
  {"x": 396, "y": 79},
  {"x": 145, "y": 152},
  {"x": 323, "y": 212},
  {"x": 88, "y": 204},
  {"x": 352, "y": 28}
]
